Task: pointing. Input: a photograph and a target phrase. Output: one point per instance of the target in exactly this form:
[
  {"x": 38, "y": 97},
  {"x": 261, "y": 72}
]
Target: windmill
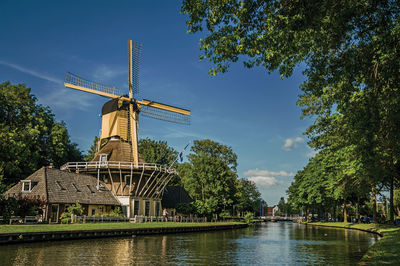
[{"x": 120, "y": 116}]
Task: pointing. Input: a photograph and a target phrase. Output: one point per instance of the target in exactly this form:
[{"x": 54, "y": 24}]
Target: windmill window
[
  {"x": 76, "y": 187},
  {"x": 147, "y": 208},
  {"x": 127, "y": 180},
  {"x": 103, "y": 158},
  {"x": 60, "y": 185},
  {"x": 136, "y": 207}
]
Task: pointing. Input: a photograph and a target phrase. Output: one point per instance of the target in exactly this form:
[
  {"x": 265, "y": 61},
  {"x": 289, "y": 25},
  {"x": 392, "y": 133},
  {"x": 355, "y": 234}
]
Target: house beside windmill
[{"x": 60, "y": 189}]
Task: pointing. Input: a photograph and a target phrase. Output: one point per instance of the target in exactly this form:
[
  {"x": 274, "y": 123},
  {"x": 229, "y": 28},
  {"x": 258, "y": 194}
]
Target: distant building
[
  {"x": 60, "y": 189},
  {"x": 174, "y": 195},
  {"x": 272, "y": 210}
]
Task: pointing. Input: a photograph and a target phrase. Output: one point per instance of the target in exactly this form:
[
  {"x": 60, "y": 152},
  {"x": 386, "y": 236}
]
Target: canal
[{"x": 268, "y": 243}]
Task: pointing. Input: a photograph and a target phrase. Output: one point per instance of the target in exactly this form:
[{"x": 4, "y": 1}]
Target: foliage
[
  {"x": 249, "y": 196},
  {"x": 159, "y": 152},
  {"x": 210, "y": 176},
  {"x": 93, "y": 149},
  {"x": 248, "y": 217},
  {"x": 20, "y": 207},
  {"x": 8, "y": 207},
  {"x": 156, "y": 151},
  {"x": 74, "y": 209},
  {"x": 31, "y": 137},
  {"x": 186, "y": 208},
  {"x": 349, "y": 52},
  {"x": 116, "y": 212}
]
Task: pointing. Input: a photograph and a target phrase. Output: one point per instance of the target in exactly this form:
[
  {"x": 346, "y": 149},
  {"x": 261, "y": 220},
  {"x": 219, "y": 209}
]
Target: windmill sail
[
  {"x": 155, "y": 112},
  {"x": 75, "y": 82},
  {"x": 136, "y": 52}
]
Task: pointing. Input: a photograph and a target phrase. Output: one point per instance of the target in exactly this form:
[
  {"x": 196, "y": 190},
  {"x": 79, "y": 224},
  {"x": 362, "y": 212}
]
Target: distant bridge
[{"x": 279, "y": 219}]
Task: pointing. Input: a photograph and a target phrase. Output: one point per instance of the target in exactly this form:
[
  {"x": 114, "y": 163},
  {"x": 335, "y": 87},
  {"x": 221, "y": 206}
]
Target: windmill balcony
[{"x": 91, "y": 166}]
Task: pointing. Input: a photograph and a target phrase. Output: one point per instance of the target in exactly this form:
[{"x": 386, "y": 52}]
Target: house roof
[
  {"x": 58, "y": 186},
  {"x": 38, "y": 191},
  {"x": 173, "y": 195}
]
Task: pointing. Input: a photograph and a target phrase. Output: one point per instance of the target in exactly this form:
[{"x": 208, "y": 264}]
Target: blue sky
[{"x": 248, "y": 109}]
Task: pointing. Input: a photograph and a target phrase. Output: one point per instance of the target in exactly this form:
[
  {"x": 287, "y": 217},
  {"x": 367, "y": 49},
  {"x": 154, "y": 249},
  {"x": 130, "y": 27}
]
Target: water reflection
[{"x": 270, "y": 243}]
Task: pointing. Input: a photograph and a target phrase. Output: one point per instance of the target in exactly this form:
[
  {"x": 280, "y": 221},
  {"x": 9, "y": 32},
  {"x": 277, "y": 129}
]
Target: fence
[
  {"x": 99, "y": 219},
  {"x": 177, "y": 219},
  {"x": 137, "y": 219}
]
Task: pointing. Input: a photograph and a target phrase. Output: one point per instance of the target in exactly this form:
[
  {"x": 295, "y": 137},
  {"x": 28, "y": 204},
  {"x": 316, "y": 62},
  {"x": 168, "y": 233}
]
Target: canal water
[{"x": 266, "y": 244}]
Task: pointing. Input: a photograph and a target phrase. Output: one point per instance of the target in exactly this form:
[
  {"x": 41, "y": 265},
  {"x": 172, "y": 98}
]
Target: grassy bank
[
  {"x": 386, "y": 251},
  {"x": 4, "y": 229}
]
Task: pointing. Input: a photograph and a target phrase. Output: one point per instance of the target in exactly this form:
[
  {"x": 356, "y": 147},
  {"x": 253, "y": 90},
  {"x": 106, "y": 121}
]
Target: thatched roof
[
  {"x": 58, "y": 186},
  {"x": 173, "y": 195},
  {"x": 118, "y": 151}
]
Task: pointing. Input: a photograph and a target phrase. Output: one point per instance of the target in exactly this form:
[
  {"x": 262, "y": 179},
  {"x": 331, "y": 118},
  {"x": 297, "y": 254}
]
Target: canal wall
[
  {"x": 22, "y": 237},
  {"x": 346, "y": 227}
]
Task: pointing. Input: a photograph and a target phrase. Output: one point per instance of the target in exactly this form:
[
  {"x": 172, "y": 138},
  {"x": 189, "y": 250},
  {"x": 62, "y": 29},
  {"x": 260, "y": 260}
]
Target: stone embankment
[{"x": 21, "y": 237}]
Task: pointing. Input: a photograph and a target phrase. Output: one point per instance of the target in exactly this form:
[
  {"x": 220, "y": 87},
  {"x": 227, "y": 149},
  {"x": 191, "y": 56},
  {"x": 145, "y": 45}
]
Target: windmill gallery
[{"x": 117, "y": 168}]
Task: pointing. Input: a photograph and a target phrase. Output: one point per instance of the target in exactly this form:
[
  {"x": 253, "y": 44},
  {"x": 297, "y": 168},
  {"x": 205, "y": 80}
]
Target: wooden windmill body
[{"x": 117, "y": 161}]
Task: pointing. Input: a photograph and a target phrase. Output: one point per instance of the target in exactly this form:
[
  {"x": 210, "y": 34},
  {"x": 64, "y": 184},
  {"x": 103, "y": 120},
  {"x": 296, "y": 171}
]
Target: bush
[
  {"x": 8, "y": 207},
  {"x": 115, "y": 212},
  {"x": 185, "y": 208},
  {"x": 75, "y": 209},
  {"x": 248, "y": 217},
  {"x": 20, "y": 207}
]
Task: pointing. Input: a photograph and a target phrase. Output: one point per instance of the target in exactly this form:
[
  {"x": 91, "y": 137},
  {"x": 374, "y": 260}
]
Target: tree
[
  {"x": 159, "y": 152},
  {"x": 210, "y": 176},
  {"x": 349, "y": 51},
  {"x": 248, "y": 196},
  {"x": 30, "y": 136},
  {"x": 93, "y": 149}
]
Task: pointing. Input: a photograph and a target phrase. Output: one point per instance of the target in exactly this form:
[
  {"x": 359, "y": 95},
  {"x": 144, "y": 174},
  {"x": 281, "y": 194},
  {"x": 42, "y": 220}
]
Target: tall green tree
[
  {"x": 210, "y": 176},
  {"x": 30, "y": 136},
  {"x": 93, "y": 149},
  {"x": 248, "y": 196},
  {"x": 349, "y": 50}
]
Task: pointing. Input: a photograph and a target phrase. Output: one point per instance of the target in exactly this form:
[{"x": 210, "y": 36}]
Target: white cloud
[
  {"x": 105, "y": 73},
  {"x": 264, "y": 181},
  {"x": 63, "y": 98},
  {"x": 58, "y": 96},
  {"x": 176, "y": 133},
  {"x": 257, "y": 172},
  {"x": 291, "y": 143},
  {"x": 32, "y": 72}
]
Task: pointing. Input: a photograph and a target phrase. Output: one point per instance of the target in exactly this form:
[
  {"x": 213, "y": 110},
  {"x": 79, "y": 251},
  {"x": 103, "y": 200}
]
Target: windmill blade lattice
[
  {"x": 81, "y": 82},
  {"x": 136, "y": 53},
  {"x": 165, "y": 115}
]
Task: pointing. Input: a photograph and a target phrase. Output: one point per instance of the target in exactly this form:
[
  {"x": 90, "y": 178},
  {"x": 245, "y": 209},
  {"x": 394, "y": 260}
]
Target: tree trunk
[
  {"x": 307, "y": 212},
  {"x": 392, "y": 201},
  {"x": 374, "y": 204},
  {"x": 334, "y": 212},
  {"x": 358, "y": 210},
  {"x": 345, "y": 213}
]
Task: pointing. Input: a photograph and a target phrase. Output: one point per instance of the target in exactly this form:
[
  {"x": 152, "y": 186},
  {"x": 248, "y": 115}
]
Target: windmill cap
[{"x": 112, "y": 106}]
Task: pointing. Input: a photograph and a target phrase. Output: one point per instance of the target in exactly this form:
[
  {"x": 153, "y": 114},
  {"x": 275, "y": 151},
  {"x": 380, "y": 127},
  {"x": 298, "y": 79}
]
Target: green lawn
[
  {"x": 93, "y": 226},
  {"x": 386, "y": 251}
]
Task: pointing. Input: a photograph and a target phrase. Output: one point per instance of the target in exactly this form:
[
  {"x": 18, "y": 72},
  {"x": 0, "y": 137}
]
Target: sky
[{"x": 250, "y": 110}]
